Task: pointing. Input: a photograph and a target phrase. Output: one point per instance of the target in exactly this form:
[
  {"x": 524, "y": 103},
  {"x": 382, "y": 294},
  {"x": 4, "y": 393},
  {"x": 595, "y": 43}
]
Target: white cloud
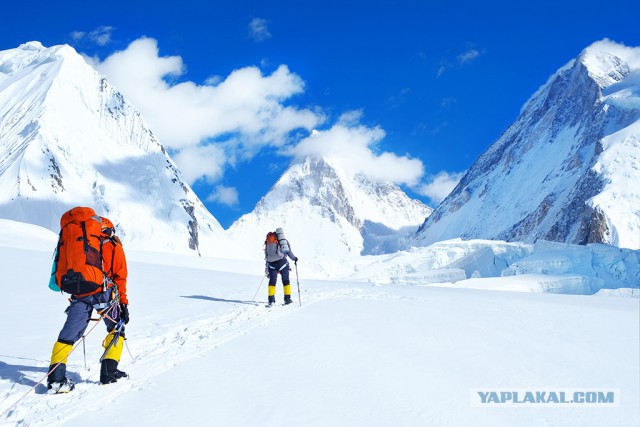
[
  {"x": 78, "y": 35},
  {"x": 189, "y": 117},
  {"x": 468, "y": 56},
  {"x": 100, "y": 36},
  {"x": 224, "y": 195},
  {"x": 213, "y": 80},
  {"x": 352, "y": 147},
  {"x": 258, "y": 30},
  {"x": 461, "y": 60},
  {"x": 230, "y": 119},
  {"x": 440, "y": 185},
  {"x": 201, "y": 162}
]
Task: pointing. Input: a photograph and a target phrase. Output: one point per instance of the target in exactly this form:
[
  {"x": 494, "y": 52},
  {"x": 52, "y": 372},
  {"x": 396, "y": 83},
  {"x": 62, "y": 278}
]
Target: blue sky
[{"x": 407, "y": 91}]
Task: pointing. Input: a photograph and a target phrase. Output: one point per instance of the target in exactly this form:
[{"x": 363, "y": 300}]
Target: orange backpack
[
  {"x": 78, "y": 263},
  {"x": 271, "y": 238},
  {"x": 272, "y": 250}
]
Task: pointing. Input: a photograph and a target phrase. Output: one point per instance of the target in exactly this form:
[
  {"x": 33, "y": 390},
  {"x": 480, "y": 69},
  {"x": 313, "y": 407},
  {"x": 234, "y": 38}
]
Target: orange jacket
[{"x": 115, "y": 265}]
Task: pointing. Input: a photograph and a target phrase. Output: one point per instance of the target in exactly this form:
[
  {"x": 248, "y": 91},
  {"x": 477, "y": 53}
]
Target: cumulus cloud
[
  {"x": 353, "y": 147},
  {"x": 224, "y": 195},
  {"x": 211, "y": 126},
  {"x": 213, "y": 80},
  {"x": 440, "y": 186},
  {"x": 259, "y": 30},
  {"x": 201, "y": 162},
  {"x": 190, "y": 119}
]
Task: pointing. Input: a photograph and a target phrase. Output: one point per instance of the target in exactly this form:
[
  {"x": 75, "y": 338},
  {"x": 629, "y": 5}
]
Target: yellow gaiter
[{"x": 115, "y": 351}]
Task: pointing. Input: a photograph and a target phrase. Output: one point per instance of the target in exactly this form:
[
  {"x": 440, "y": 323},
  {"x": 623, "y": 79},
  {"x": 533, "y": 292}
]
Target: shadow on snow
[{"x": 206, "y": 298}]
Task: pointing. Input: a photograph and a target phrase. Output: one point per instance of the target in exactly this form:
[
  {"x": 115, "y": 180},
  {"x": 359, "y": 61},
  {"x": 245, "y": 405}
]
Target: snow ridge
[
  {"x": 566, "y": 170},
  {"x": 69, "y": 138}
]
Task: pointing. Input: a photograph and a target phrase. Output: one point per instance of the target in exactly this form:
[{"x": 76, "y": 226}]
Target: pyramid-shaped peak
[
  {"x": 331, "y": 212},
  {"x": 33, "y": 54},
  {"x": 609, "y": 62},
  {"x": 566, "y": 170},
  {"x": 71, "y": 139}
]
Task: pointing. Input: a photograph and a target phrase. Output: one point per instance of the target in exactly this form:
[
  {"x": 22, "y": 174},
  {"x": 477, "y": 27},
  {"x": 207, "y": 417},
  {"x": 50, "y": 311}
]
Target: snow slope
[
  {"x": 568, "y": 169},
  {"x": 68, "y": 138},
  {"x": 202, "y": 352}
]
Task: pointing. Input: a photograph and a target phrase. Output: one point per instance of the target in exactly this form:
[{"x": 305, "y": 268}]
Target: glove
[
  {"x": 295, "y": 260},
  {"x": 124, "y": 313}
]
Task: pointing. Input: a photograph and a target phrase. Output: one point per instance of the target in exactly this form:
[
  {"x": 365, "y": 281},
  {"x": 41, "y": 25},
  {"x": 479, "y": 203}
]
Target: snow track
[
  {"x": 153, "y": 355},
  {"x": 355, "y": 353}
]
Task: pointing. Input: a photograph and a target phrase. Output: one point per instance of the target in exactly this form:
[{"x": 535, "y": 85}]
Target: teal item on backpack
[{"x": 52, "y": 281}]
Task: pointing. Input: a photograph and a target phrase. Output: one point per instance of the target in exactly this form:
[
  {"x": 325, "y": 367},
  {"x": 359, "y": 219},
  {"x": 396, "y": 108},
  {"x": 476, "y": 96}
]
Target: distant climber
[{"x": 276, "y": 251}]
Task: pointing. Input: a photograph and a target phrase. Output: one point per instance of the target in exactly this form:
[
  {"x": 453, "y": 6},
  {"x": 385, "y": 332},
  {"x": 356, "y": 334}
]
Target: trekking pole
[
  {"x": 298, "y": 281},
  {"x": 84, "y": 351},
  {"x": 254, "y": 297}
]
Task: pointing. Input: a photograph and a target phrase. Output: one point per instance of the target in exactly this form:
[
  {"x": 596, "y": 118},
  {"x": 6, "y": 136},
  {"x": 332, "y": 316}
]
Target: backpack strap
[{"x": 85, "y": 239}]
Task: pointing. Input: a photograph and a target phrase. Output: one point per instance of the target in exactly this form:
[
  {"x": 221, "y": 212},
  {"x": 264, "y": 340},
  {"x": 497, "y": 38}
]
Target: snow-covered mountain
[
  {"x": 568, "y": 169},
  {"x": 327, "y": 212},
  {"x": 68, "y": 138}
]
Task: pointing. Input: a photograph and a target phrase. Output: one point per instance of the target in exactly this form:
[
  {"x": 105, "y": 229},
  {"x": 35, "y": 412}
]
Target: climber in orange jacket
[{"x": 114, "y": 266}]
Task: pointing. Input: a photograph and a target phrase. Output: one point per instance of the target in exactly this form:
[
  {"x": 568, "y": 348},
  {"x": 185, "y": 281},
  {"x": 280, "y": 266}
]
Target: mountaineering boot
[
  {"x": 272, "y": 295},
  {"x": 287, "y": 293},
  {"x": 57, "y": 387},
  {"x": 109, "y": 372},
  {"x": 57, "y": 381}
]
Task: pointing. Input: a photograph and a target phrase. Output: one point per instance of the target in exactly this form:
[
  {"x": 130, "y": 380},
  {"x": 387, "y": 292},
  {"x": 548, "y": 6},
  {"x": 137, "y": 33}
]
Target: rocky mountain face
[
  {"x": 567, "y": 170},
  {"x": 68, "y": 138},
  {"x": 326, "y": 212}
]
